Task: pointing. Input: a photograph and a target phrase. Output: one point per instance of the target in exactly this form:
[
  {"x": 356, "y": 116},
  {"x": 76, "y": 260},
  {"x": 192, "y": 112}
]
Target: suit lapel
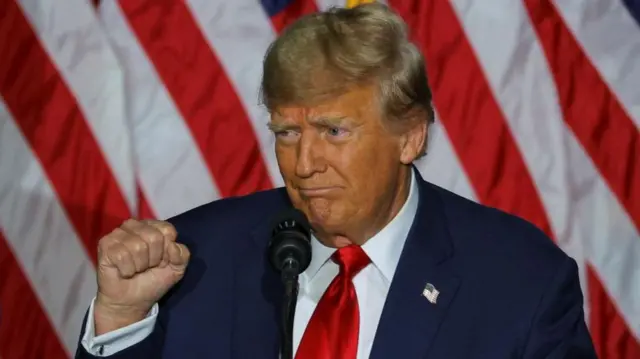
[
  {"x": 409, "y": 321},
  {"x": 258, "y": 295}
]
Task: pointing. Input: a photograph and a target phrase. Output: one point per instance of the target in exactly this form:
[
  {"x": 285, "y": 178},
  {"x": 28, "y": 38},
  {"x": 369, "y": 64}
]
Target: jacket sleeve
[
  {"x": 559, "y": 329},
  {"x": 140, "y": 340}
]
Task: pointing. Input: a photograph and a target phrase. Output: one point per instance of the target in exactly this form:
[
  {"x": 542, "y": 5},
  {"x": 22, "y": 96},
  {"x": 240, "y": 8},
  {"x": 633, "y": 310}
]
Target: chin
[{"x": 323, "y": 215}]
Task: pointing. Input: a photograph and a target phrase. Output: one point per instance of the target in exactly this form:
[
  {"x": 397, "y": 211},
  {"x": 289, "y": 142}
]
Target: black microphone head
[{"x": 291, "y": 241}]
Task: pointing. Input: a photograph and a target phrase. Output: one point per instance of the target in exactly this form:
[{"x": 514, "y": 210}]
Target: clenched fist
[{"x": 137, "y": 264}]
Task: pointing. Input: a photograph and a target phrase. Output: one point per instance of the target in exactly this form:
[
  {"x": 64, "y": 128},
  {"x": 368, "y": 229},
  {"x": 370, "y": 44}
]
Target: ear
[{"x": 414, "y": 141}]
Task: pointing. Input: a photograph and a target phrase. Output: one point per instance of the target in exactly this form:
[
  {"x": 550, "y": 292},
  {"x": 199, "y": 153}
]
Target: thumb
[{"x": 178, "y": 256}]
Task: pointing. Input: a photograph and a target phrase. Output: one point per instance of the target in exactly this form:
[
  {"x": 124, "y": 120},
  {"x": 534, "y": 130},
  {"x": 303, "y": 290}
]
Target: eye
[
  {"x": 287, "y": 136},
  {"x": 285, "y": 133},
  {"x": 336, "y": 131}
]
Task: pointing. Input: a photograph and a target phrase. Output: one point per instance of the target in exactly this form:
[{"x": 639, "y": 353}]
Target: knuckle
[
  {"x": 119, "y": 255},
  {"x": 110, "y": 239},
  {"x": 130, "y": 223},
  {"x": 104, "y": 242},
  {"x": 139, "y": 246},
  {"x": 115, "y": 234},
  {"x": 166, "y": 249},
  {"x": 167, "y": 229},
  {"x": 153, "y": 236},
  {"x": 150, "y": 240}
]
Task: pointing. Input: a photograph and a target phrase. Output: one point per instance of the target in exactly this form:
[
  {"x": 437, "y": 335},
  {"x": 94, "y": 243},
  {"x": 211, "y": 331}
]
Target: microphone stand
[{"x": 289, "y": 276}]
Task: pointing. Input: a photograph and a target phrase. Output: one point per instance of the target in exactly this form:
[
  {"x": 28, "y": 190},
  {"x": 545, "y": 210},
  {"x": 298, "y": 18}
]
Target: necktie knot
[{"x": 351, "y": 259}]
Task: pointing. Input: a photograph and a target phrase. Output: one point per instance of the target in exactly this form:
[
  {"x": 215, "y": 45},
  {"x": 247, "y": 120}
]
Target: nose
[{"x": 310, "y": 158}]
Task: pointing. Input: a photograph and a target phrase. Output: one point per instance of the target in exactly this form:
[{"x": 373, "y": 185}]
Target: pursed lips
[{"x": 317, "y": 191}]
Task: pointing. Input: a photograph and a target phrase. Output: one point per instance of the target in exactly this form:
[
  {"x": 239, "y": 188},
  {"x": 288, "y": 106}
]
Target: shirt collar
[{"x": 384, "y": 248}]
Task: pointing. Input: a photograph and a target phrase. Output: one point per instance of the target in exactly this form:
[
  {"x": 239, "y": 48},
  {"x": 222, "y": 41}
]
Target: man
[{"x": 400, "y": 267}]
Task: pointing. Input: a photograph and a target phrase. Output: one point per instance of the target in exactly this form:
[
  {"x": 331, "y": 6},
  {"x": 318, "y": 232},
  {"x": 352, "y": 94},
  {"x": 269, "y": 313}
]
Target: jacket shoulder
[
  {"x": 235, "y": 216},
  {"x": 503, "y": 242}
]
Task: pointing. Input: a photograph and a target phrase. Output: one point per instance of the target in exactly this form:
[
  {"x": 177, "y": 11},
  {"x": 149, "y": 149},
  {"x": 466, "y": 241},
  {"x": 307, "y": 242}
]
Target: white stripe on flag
[
  {"x": 515, "y": 68},
  {"x": 239, "y": 33},
  {"x": 441, "y": 166},
  {"x": 41, "y": 236},
  {"x": 76, "y": 44},
  {"x": 610, "y": 37},
  {"x": 586, "y": 222},
  {"x": 324, "y": 5},
  {"x": 172, "y": 171}
]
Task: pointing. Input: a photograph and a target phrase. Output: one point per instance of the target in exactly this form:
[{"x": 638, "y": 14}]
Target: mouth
[{"x": 317, "y": 191}]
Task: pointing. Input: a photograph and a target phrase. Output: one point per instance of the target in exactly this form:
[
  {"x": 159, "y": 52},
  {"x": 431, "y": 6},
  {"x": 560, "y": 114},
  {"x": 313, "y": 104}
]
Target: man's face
[{"x": 340, "y": 165}]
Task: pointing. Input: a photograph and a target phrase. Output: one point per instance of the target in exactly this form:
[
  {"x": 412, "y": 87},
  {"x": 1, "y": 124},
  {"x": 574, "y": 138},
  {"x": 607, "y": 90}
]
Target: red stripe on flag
[
  {"x": 47, "y": 114},
  {"x": 144, "y": 208},
  {"x": 590, "y": 109},
  {"x": 292, "y": 12},
  {"x": 609, "y": 136},
  {"x": 25, "y": 330},
  {"x": 474, "y": 121},
  {"x": 611, "y": 337},
  {"x": 469, "y": 113},
  {"x": 202, "y": 92}
]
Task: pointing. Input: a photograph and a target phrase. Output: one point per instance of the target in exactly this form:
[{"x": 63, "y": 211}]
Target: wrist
[{"x": 110, "y": 317}]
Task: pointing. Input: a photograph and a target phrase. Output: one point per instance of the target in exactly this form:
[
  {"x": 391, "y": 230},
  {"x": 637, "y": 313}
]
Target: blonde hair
[{"x": 325, "y": 54}]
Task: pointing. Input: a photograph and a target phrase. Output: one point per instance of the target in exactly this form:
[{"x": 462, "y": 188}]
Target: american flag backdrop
[{"x": 112, "y": 109}]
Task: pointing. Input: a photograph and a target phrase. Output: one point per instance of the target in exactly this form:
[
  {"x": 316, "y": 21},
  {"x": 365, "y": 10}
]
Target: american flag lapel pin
[{"x": 431, "y": 293}]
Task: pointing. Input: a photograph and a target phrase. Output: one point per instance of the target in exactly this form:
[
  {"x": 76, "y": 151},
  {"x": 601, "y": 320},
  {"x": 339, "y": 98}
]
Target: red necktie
[{"x": 332, "y": 332}]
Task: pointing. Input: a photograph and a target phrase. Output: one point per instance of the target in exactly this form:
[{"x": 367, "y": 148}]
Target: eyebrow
[
  {"x": 330, "y": 120},
  {"x": 279, "y": 127},
  {"x": 327, "y": 121}
]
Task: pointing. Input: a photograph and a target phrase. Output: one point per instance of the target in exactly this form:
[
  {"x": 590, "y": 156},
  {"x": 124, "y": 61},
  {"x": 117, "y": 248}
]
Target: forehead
[{"x": 358, "y": 102}]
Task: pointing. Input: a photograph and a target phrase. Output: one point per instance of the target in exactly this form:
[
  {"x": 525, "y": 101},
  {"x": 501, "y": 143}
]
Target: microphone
[
  {"x": 290, "y": 246},
  {"x": 290, "y": 254}
]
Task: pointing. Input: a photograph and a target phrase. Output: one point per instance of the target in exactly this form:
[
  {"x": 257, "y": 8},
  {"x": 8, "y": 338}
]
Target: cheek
[
  {"x": 368, "y": 172},
  {"x": 359, "y": 166}
]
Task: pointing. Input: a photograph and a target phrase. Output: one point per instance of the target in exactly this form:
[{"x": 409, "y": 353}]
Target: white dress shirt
[{"x": 371, "y": 284}]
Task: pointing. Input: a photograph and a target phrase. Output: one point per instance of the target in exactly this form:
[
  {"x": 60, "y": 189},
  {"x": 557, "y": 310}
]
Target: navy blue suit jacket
[{"x": 506, "y": 290}]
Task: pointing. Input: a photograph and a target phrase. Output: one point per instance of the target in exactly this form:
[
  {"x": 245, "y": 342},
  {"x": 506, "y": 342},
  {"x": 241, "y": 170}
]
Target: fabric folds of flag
[{"x": 113, "y": 109}]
